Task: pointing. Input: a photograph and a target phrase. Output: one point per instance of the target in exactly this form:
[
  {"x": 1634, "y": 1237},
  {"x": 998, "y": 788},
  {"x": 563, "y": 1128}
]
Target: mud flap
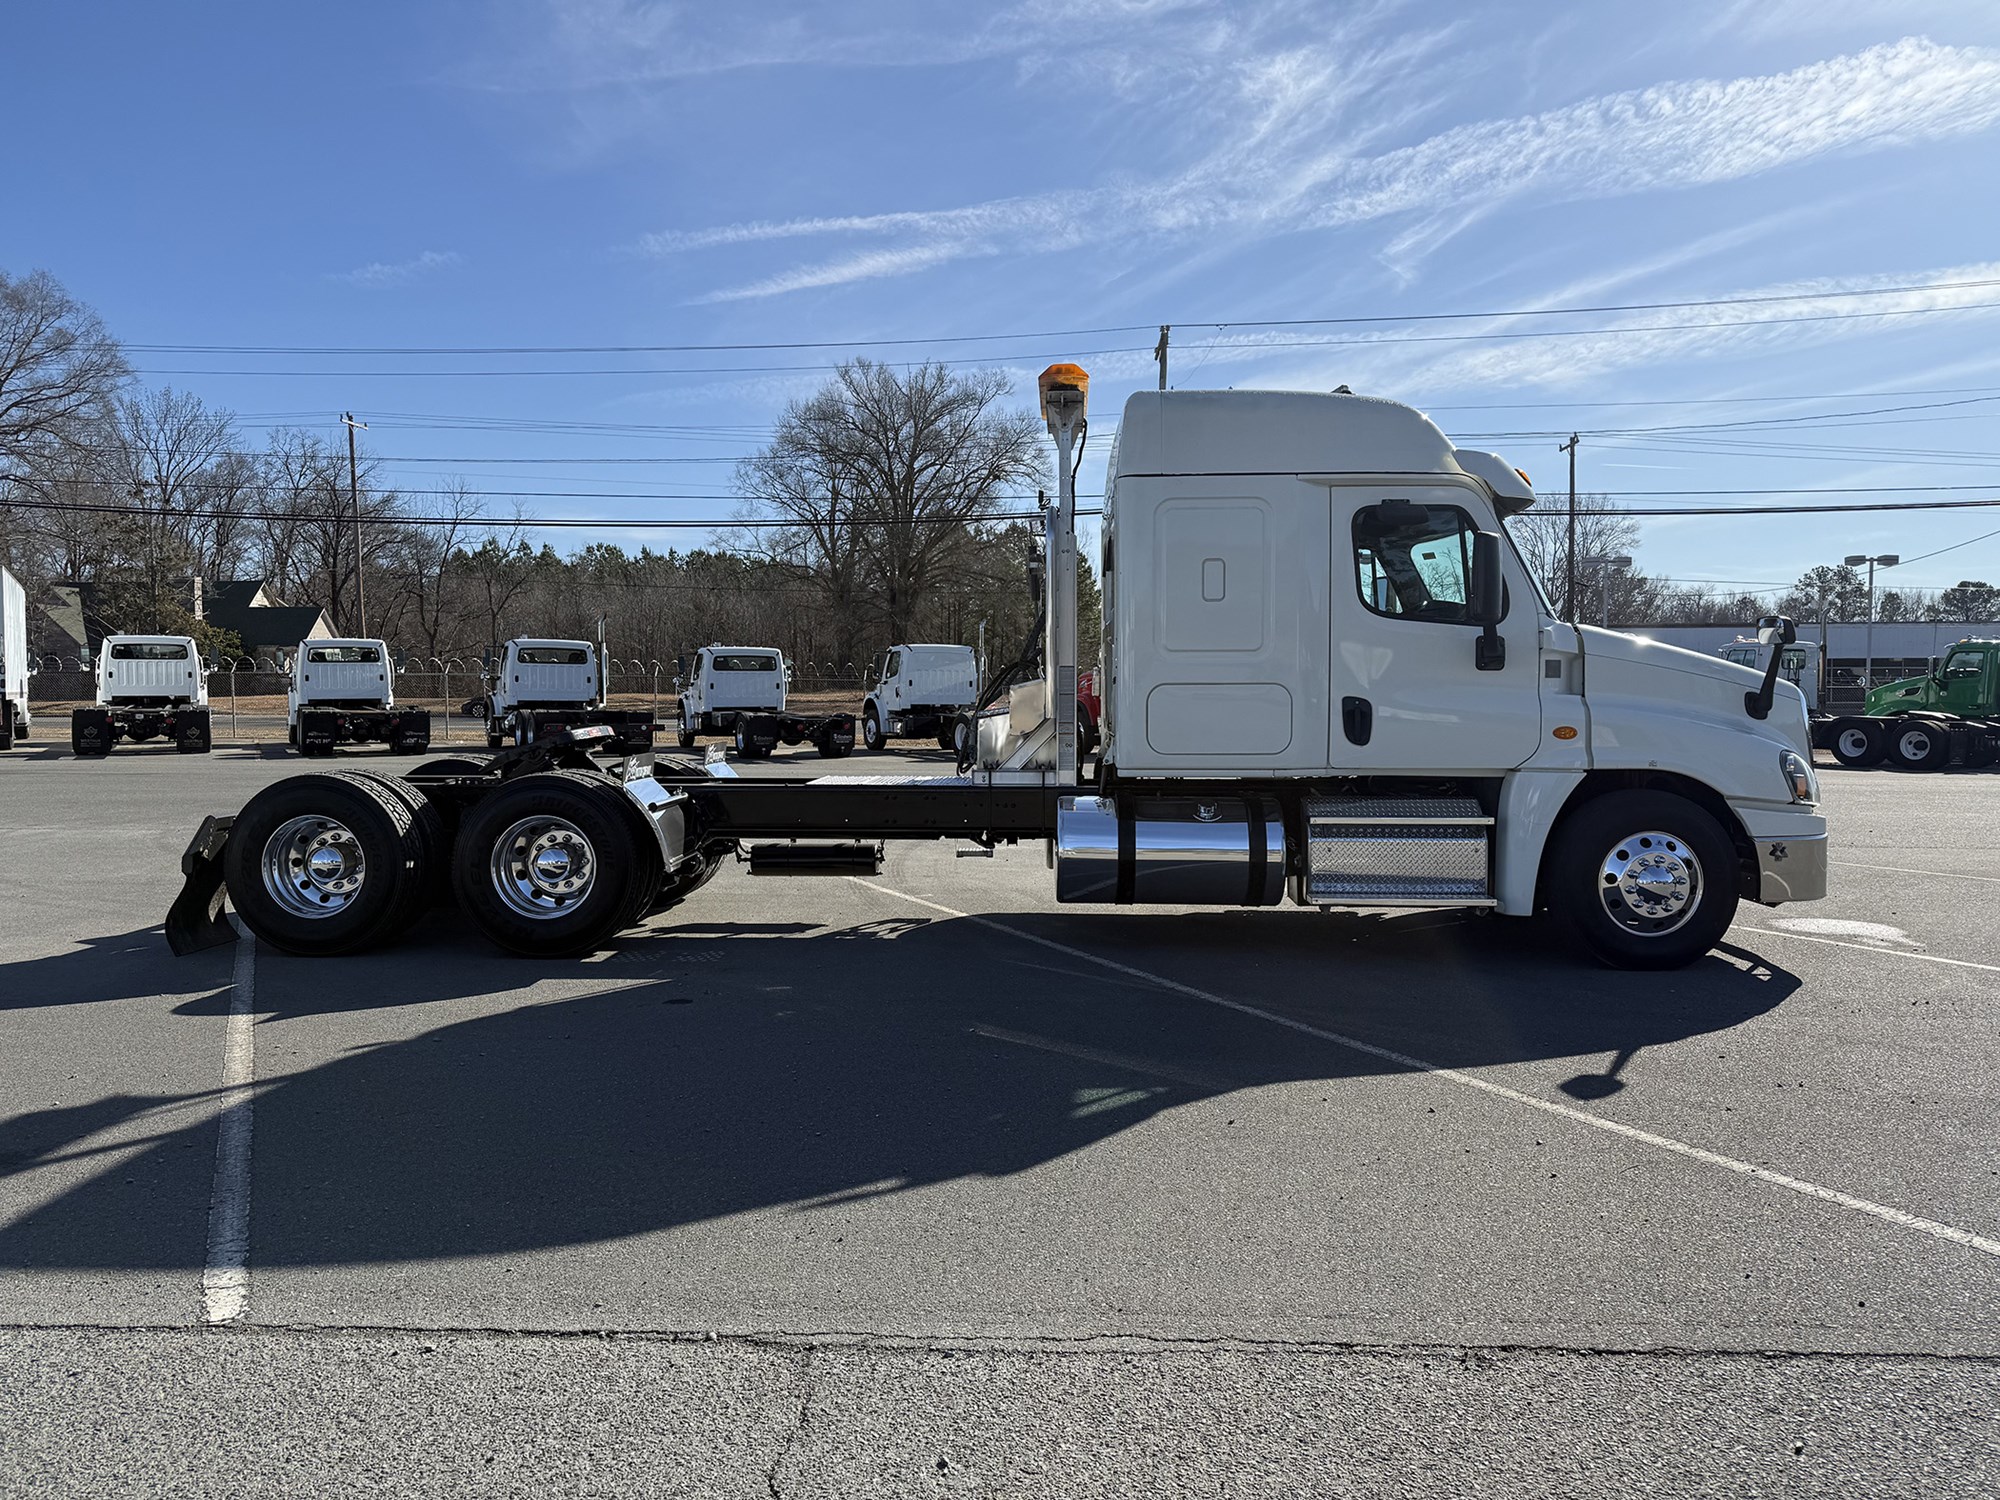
[{"x": 195, "y": 920}]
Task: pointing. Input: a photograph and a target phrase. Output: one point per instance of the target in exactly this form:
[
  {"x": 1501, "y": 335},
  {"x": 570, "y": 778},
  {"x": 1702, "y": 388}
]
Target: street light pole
[
  {"x": 1887, "y": 560},
  {"x": 1602, "y": 563}
]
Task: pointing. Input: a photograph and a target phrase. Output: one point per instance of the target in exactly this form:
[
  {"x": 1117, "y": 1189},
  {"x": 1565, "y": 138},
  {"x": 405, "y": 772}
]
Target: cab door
[
  {"x": 1408, "y": 693},
  {"x": 1962, "y": 682}
]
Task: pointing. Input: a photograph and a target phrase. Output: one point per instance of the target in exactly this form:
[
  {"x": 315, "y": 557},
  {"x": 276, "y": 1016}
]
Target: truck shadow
[{"x": 715, "y": 1068}]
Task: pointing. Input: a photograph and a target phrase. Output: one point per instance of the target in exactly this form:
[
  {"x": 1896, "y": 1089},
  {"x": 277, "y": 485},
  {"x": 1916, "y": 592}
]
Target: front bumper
[{"x": 1791, "y": 865}]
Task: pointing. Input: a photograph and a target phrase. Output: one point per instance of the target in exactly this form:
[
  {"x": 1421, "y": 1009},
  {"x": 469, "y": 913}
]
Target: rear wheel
[
  {"x": 1859, "y": 744},
  {"x": 1643, "y": 880},
  {"x": 1918, "y": 747},
  {"x": 324, "y": 863},
  {"x": 547, "y": 865},
  {"x": 428, "y": 848},
  {"x": 746, "y": 747}
]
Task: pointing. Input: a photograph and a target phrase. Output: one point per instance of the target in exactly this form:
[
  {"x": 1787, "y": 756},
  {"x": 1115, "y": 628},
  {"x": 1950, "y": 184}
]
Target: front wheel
[
  {"x": 871, "y": 728},
  {"x": 687, "y": 731},
  {"x": 1643, "y": 880}
]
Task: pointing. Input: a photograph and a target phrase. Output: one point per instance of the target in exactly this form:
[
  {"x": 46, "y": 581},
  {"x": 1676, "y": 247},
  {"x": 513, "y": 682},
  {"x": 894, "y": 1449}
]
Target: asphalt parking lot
[{"x": 922, "y": 1184}]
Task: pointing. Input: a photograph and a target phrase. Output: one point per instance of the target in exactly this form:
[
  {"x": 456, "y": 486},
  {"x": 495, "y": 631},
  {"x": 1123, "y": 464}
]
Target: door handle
[{"x": 1357, "y": 719}]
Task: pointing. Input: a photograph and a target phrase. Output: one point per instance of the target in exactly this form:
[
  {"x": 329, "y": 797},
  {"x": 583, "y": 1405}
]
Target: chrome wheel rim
[
  {"x": 313, "y": 867},
  {"x": 543, "y": 867},
  {"x": 1650, "y": 883}
]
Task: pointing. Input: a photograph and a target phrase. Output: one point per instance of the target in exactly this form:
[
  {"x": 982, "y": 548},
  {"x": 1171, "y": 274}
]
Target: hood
[
  {"x": 1614, "y": 662},
  {"x": 1894, "y": 697}
]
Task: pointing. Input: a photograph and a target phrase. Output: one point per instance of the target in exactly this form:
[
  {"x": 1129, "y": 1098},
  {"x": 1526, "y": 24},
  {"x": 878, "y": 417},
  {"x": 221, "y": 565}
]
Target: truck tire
[
  {"x": 323, "y": 862},
  {"x": 1918, "y": 746},
  {"x": 546, "y": 865},
  {"x": 292, "y": 735},
  {"x": 746, "y": 748},
  {"x": 449, "y": 765},
  {"x": 948, "y": 737},
  {"x": 495, "y": 740},
  {"x": 7, "y": 728},
  {"x": 1642, "y": 879},
  {"x": 429, "y": 850},
  {"x": 685, "y": 732},
  {"x": 1859, "y": 744},
  {"x": 90, "y": 733},
  {"x": 871, "y": 728}
]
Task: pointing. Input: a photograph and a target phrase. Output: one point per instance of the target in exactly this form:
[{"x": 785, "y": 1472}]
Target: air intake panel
[{"x": 1170, "y": 851}]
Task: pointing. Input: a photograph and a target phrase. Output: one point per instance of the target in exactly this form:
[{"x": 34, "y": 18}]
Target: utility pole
[
  {"x": 354, "y": 499},
  {"x": 1160, "y": 352},
  {"x": 1569, "y": 553}
]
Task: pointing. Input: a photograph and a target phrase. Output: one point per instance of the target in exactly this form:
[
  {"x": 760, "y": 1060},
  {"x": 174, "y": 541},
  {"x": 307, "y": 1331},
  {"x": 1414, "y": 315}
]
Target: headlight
[{"x": 1799, "y": 775}]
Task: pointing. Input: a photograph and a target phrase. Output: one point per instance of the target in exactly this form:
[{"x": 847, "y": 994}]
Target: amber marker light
[
  {"x": 1069, "y": 385},
  {"x": 1565, "y": 732}
]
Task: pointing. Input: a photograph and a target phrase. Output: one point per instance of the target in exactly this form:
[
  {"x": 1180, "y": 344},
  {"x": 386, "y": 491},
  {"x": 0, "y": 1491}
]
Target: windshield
[
  {"x": 743, "y": 663},
  {"x": 148, "y": 651}
]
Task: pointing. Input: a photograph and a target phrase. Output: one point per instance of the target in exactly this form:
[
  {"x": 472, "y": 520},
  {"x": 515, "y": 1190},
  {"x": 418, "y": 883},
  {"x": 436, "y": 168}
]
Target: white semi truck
[
  {"x": 920, "y": 692},
  {"x": 148, "y": 687},
  {"x": 740, "y": 691},
  {"x": 343, "y": 692},
  {"x": 1329, "y": 678},
  {"x": 539, "y": 685},
  {"x": 15, "y": 720}
]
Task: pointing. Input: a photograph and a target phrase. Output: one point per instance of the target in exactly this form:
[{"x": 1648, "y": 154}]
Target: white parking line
[
  {"x": 225, "y": 1273},
  {"x": 1807, "y": 937},
  {"x": 1948, "y": 1232},
  {"x": 1855, "y": 864}
]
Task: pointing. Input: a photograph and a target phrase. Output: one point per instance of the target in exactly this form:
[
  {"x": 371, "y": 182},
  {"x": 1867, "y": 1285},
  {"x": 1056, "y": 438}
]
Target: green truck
[{"x": 1949, "y": 716}]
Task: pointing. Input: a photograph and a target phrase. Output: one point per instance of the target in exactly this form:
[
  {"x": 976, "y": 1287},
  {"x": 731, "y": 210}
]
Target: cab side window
[
  {"x": 1962, "y": 665},
  {"x": 892, "y": 665},
  {"x": 1414, "y": 562}
]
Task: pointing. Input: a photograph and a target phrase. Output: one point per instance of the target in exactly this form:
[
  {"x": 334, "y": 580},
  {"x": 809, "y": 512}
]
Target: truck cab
[
  {"x": 919, "y": 693},
  {"x": 543, "y": 683},
  {"x": 148, "y": 687},
  {"x": 342, "y": 692},
  {"x": 724, "y": 682},
  {"x": 1798, "y": 664}
]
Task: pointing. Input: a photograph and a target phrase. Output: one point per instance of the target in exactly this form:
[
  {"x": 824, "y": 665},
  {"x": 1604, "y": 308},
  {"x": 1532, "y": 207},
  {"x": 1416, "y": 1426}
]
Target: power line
[{"x": 1763, "y": 299}]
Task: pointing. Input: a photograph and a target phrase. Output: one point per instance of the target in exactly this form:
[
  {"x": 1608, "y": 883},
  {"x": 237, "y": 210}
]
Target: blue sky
[{"x": 535, "y": 173}]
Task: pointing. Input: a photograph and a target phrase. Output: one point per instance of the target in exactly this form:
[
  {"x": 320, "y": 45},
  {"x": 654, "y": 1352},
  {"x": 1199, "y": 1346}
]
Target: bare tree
[
  {"x": 59, "y": 369},
  {"x": 883, "y": 476},
  {"x": 424, "y": 560},
  {"x": 171, "y": 441},
  {"x": 1602, "y": 530}
]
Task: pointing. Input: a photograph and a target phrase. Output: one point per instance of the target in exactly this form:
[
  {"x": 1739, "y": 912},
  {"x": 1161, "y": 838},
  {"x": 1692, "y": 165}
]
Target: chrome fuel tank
[{"x": 1170, "y": 851}]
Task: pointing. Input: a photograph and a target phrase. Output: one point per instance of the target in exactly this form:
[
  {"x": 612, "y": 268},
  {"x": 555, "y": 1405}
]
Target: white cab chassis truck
[
  {"x": 1328, "y": 679},
  {"x": 740, "y": 691},
  {"x": 920, "y": 692},
  {"x": 539, "y": 685},
  {"x": 15, "y": 721},
  {"x": 343, "y": 693},
  {"x": 148, "y": 686}
]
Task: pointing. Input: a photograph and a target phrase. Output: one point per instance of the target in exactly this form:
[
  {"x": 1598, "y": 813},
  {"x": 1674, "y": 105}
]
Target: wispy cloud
[
  {"x": 1295, "y": 162},
  {"x": 379, "y": 274}
]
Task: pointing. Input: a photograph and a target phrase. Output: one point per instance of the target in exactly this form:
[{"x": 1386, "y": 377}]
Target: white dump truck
[
  {"x": 343, "y": 692},
  {"x": 15, "y": 720},
  {"x": 740, "y": 691},
  {"x": 148, "y": 687},
  {"x": 1329, "y": 678},
  {"x": 920, "y": 692},
  {"x": 538, "y": 685}
]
